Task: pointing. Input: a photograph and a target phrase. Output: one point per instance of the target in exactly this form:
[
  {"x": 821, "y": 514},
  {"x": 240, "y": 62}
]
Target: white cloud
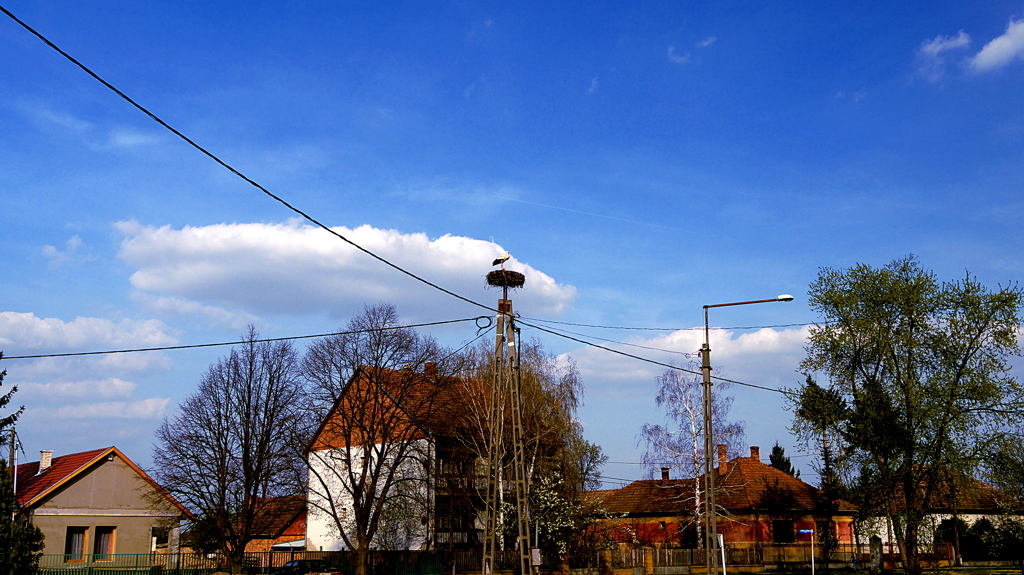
[
  {"x": 765, "y": 357},
  {"x": 1001, "y": 51},
  {"x": 25, "y": 331},
  {"x": 931, "y": 56},
  {"x": 295, "y": 268},
  {"x": 58, "y": 258},
  {"x": 707, "y": 42},
  {"x": 130, "y": 138},
  {"x": 593, "y": 86},
  {"x": 153, "y": 408},
  {"x": 48, "y": 118},
  {"x": 179, "y": 306},
  {"x": 677, "y": 58},
  {"x": 110, "y": 387}
]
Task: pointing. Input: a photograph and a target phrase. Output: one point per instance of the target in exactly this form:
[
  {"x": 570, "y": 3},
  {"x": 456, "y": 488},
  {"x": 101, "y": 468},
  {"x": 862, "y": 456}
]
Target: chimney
[
  {"x": 723, "y": 460},
  {"x": 664, "y": 475},
  {"x": 430, "y": 369},
  {"x": 45, "y": 458},
  {"x": 755, "y": 453}
]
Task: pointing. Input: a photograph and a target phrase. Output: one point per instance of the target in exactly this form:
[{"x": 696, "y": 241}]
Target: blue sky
[{"x": 638, "y": 161}]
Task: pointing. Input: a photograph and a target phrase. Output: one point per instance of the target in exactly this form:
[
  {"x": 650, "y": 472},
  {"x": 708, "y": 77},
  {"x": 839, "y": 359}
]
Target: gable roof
[
  {"x": 746, "y": 486},
  {"x": 281, "y": 515},
  {"x": 33, "y": 487},
  {"x": 413, "y": 403},
  {"x": 966, "y": 494},
  {"x": 750, "y": 484}
]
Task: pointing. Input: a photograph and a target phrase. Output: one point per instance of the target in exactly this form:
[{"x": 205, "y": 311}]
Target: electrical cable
[
  {"x": 200, "y": 345},
  {"x": 686, "y": 354},
  {"x": 234, "y": 171},
  {"x": 668, "y": 328},
  {"x": 651, "y": 361},
  {"x": 305, "y": 216}
]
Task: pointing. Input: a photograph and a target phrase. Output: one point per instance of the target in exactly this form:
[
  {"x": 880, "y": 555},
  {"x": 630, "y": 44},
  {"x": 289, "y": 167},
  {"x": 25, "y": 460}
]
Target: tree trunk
[{"x": 363, "y": 559}]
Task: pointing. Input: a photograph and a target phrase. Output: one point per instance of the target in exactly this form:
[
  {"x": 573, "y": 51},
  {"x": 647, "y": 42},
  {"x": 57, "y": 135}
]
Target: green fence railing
[{"x": 382, "y": 563}]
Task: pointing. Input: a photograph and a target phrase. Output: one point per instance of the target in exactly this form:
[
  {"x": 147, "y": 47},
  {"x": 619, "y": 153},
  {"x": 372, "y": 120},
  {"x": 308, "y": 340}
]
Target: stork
[{"x": 501, "y": 260}]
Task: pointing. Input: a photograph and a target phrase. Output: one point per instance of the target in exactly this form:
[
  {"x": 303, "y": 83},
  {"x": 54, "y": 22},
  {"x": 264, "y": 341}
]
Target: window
[
  {"x": 823, "y": 530},
  {"x": 159, "y": 536},
  {"x": 104, "y": 545},
  {"x": 74, "y": 543},
  {"x": 782, "y": 531}
]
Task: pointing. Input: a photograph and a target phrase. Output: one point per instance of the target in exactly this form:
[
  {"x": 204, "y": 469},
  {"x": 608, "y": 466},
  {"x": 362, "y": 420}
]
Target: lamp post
[{"x": 710, "y": 511}]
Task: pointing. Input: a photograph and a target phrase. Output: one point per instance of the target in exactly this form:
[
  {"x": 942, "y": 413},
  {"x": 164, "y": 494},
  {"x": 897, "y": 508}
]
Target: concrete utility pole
[
  {"x": 710, "y": 507},
  {"x": 506, "y": 386}
]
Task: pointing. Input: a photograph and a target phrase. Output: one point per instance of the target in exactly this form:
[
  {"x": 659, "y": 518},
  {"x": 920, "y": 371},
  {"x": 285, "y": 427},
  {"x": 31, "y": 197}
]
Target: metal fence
[
  {"x": 381, "y": 562},
  {"x": 443, "y": 562}
]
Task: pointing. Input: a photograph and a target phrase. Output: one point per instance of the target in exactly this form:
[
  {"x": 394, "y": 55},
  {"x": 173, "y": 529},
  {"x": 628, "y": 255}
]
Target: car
[{"x": 305, "y": 567}]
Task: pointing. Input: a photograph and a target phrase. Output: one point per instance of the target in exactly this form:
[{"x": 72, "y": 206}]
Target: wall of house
[
  {"x": 109, "y": 495},
  {"x": 325, "y": 489}
]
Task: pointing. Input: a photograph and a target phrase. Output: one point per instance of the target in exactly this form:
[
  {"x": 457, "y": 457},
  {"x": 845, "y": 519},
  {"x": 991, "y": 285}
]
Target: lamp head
[{"x": 785, "y": 297}]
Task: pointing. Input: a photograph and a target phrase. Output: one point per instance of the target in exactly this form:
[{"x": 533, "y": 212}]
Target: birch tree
[{"x": 678, "y": 443}]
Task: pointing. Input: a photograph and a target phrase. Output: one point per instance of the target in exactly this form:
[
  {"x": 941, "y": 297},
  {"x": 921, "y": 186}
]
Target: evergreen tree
[
  {"x": 777, "y": 459},
  {"x": 21, "y": 543}
]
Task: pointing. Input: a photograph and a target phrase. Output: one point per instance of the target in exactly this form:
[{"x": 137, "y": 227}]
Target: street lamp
[{"x": 710, "y": 511}]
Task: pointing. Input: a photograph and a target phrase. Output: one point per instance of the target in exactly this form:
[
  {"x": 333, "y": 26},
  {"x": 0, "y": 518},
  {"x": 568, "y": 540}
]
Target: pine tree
[
  {"x": 21, "y": 543},
  {"x": 778, "y": 460}
]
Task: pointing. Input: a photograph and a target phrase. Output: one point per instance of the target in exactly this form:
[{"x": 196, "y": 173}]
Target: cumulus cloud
[
  {"x": 110, "y": 387},
  {"x": 25, "y": 331},
  {"x": 153, "y": 408},
  {"x": 766, "y": 357},
  {"x": 292, "y": 268},
  {"x": 179, "y": 306},
  {"x": 932, "y": 54},
  {"x": 1001, "y": 51},
  {"x": 57, "y": 257}
]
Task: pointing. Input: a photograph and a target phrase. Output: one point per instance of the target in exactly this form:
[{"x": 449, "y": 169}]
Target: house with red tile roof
[
  {"x": 95, "y": 503},
  {"x": 420, "y": 419},
  {"x": 758, "y": 504},
  {"x": 283, "y": 524}
]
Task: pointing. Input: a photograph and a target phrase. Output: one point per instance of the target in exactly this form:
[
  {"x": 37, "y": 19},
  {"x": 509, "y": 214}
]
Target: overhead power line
[
  {"x": 683, "y": 353},
  {"x": 223, "y": 343},
  {"x": 667, "y": 328},
  {"x": 651, "y": 361},
  {"x": 304, "y": 215},
  {"x": 234, "y": 171}
]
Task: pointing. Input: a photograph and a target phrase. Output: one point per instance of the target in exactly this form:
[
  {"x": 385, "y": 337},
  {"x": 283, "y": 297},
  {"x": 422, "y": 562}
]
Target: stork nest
[{"x": 506, "y": 279}]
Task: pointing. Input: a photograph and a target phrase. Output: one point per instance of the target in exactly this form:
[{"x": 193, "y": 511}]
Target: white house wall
[{"x": 326, "y": 470}]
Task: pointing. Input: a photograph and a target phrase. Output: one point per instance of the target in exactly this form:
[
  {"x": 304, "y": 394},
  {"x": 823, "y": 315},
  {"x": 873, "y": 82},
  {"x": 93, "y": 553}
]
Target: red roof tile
[
  {"x": 280, "y": 514},
  {"x": 31, "y": 485},
  {"x": 34, "y": 486},
  {"x": 406, "y": 404},
  {"x": 741, "y": 488}
]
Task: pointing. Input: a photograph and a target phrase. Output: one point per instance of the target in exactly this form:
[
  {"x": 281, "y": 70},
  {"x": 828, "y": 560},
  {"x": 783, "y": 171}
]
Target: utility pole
[
  {"x": 711, "y": 538},
  {"x": 506, "y": 387}
]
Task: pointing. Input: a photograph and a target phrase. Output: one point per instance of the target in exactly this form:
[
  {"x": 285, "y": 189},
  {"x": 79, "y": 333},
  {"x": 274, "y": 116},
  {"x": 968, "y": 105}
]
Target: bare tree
[
  {"x": 226, "y": 453},
  {"x": 381, "y": 396},
  {"x": 679, "y": 442}
]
